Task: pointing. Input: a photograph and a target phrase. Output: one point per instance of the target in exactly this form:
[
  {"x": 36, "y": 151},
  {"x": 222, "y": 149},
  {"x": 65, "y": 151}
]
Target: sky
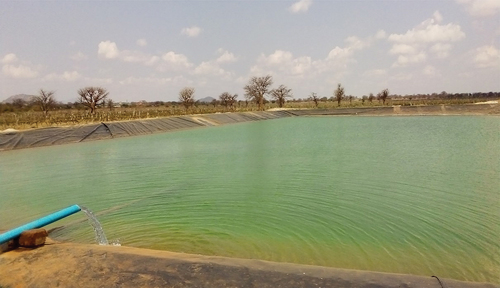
[{"x": 150, "y": 50}]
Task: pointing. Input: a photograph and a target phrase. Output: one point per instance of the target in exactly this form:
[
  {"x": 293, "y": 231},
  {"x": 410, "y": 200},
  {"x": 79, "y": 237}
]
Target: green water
[{"x": 415, "y": 195}]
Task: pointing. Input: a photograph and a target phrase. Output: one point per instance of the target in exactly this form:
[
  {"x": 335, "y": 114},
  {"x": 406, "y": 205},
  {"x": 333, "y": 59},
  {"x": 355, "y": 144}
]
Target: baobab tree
[
  {"x": 45, "y": 100},
  {"x": 257, "y": 88},
  {"x": 280, "y": 94},
  {"x": 228, "y": 99},
  {"x": 186, "y": 97},
  {"x": 339, "y": 94},
  {"x": 92, "y": 97},
  {"x": 383, "y": 95}
]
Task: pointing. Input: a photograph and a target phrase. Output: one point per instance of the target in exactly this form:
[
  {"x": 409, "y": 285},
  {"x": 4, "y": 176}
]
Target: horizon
[{"x": 151, "y": 50}]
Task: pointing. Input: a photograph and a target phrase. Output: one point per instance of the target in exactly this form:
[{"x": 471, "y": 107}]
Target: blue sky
[{"x": 149, "y": 50}]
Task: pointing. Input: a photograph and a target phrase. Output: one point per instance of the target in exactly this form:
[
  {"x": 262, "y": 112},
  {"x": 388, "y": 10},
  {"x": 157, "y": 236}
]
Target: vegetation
[
  {"x": 186, "y": 97},
  {"x": 314, "y": 97},
  {"x": 45, "y": 100},
  {"x": 92, "y": 97},
  {"x": 383, "y": 95},
  {"x": 257, "y": 88},
  {"x": 227, "y": 100},
  {"x": 22, "y": 114},
  {"x": 339, "y": 94},
  {"x": 280, "y": 94}
]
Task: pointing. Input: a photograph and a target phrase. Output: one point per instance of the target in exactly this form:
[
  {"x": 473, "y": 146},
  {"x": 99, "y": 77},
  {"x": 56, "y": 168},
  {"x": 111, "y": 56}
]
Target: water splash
[{"x": 100, "y": 237}]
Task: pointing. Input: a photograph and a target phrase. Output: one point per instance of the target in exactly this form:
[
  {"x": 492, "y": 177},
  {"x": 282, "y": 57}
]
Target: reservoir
[{"x": 417, "y": 195}]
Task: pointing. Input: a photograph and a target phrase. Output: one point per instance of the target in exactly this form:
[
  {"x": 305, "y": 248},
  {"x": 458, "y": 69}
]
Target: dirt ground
[{"x": 80, "y": 265}]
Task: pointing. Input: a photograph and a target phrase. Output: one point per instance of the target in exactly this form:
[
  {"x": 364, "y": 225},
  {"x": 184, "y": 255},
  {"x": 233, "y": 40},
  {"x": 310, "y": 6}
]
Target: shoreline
[
  {"x": 13, "y": 139},
  {"x": 71, "y": 264}
]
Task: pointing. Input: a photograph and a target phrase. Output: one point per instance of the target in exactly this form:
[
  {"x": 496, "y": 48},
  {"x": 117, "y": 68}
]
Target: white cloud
[
  {"x": 173, "y": 61},
  {"x": 191, "y": 31},
  {"x": 381, "y": 34},
  {"x": 152, "y": 60},
  {"x": 430, "y": 36},
  {"x": 9, "y": 58},
  {"x": 134, "y": 56},
  {"x": 225, "y": 57},
  {"x": 357, "y": 43},
  {"x": 79, "y": 56},
  {"x": 209, "y": 68},
  {"x": 442, "y": 50},
  {"x": 404, "y": 60},
  {"x": 142, "y": 42},
  {"x": 108, "y": 50},
  {"x": 481, "y": 7},
  {"x": 403, "y": 49},
  {"x": 284, "y": 63},
  {"x": 174, "y": 58},
  {"x": 430, "y": 31},
  {"x": 300, "y": 6},
  {"x": 487, "y": 56},
  {"x": 20, "y": 71},
  {"x": 66, "y": 76}
]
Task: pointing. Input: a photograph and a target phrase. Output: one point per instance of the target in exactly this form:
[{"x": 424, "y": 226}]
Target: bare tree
[
  {"x": 371, "y": 97},
  {"x": 314, "y": 97},
  {"x": 350, "y": 98},
  {"x": 383, "y": 95},
  {"x": 214, "y": 102},
  {"x": 257, "y": 87},
  {"x": 228, "y": 99},
  {"x": 92, "y": 97},
  {"x": 363, "y": 99},
  {"x": 110, "y": 104},
  {"x": 45, "y": 100},
  {"x": 280, "y": 94},
  {"x": 339, "y": 94},
  {"x": 186, "y": 97}
]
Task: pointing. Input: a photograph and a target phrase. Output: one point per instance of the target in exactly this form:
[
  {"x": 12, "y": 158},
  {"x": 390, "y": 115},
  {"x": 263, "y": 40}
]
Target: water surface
[{"x": 415, "y": 195}]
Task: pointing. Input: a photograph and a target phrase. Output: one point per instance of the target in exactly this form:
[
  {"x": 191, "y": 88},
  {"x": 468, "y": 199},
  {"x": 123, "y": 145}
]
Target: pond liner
[{"x": 11, "y": 140}]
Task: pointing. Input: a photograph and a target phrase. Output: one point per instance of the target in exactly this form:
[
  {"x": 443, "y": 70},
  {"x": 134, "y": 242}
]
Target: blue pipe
[{"x": 14, "y": 233}]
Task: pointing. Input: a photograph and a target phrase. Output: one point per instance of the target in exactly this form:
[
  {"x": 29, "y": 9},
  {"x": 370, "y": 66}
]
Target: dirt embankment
[
  {"x": 10, "y": 139},
  {"x": 79, "y": 265}
]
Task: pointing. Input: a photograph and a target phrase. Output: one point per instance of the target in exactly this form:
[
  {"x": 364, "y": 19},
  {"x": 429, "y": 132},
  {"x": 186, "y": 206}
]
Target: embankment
[
  {"x": 10, "y": 140},
  {"x": 79, "y": 265}
]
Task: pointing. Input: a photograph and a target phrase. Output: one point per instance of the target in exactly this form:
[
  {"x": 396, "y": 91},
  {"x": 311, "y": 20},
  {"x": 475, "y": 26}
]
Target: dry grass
[{"x": 36, "y": 119}]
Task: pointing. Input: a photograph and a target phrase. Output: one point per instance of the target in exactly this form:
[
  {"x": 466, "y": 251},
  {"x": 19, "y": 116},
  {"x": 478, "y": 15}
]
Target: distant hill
[
  {"x": 206, "y": 100},
  {"x": 24, "y": 97}
]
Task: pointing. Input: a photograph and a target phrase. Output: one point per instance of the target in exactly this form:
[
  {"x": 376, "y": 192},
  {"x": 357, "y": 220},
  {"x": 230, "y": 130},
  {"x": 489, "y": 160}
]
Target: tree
[
  {"x": 350, "y": 98},
  {"x": 280, "y": 94},
  {"x": 383, "y": 95},
  {"x": 363, "y": 99},
  {"x": 314, "y": 97},
  {"x": 19, "y": 103},
  {"x": 339, "y": 93},
  {"x": 228, "y": 99},
  {"x": 186, "y": 97},
  {"x": 371, "y": 97},
  {"x": 92, "y": 97},
  {"x": 45, "y": 100},
  {"x": 110, "y": 104},
  {"x": 257, "y": 88}
]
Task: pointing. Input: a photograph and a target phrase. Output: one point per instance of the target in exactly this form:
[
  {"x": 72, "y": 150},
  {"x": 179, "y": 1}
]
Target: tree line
[{"x": 256, "y": 91}]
